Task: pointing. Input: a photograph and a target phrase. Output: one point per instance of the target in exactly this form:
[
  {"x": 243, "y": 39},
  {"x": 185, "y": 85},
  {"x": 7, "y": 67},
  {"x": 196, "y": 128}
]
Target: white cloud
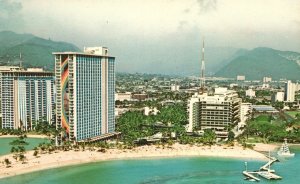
[{"x": 236, "y": 23}]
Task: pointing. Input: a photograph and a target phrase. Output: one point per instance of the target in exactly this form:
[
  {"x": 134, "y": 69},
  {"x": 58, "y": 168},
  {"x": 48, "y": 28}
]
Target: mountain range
[
  {"x": 181, "y": 60},
  {"x": 34, "y": 51},
  {"x": 260, "y": 62}
]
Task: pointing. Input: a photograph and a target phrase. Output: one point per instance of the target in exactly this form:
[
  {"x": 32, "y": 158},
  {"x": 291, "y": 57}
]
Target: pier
[
  {"x": 266, "y": 167},
  {"x": 264, "y": 174},
  {"x": 250, "y": 175},
  {"x": 264, "y": 171},
  {"x": 269, "y": 175}
]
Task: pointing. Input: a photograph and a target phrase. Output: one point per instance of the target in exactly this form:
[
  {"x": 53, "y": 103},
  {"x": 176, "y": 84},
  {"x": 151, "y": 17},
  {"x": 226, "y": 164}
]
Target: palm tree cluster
[
  {"x": 100, "y": 146},
  {"x": 134, "y": 124},
  {"x": 18, "y": 148},
  {"x": 45, "y": 128},
  {"x": 273, "y": 128},
  {"x": 42, "y": 126},
  {"x": 170, "y": 122},
  {"x": 8, "y": 131}
]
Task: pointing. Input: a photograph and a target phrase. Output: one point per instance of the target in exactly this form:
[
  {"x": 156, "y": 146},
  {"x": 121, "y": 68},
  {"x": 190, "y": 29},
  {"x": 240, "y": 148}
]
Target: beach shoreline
[
  {"x": 262, "y": 147},
  {"x": 28, "y": 136},
  {"x": 69, "y": 158}
]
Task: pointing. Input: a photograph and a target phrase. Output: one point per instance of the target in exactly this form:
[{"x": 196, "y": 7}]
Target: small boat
[{"x": 285, "y": 151}]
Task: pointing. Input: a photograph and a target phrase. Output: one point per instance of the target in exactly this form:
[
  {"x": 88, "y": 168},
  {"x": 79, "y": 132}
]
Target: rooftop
[
  {"x": 80, "y": 53},
  {"x": 29, "y": 72},
  {"x": 89, "y": 51},
  {"x": 17, "y": 69},
  {"x": 266, "y": 108}
]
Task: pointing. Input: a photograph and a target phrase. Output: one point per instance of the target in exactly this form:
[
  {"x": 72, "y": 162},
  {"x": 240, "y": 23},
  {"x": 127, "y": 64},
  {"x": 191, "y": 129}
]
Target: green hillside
[
  {"x": 36, "y": 52},
  {"x": 260, "y": 62}
]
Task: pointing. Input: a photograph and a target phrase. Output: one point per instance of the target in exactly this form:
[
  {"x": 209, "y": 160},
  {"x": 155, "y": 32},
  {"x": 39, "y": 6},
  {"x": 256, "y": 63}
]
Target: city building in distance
[
  {"x": 240, "y": 77},
  {"x": 250, "y": 93},
  {"x": 264, "y": 108},
  {"x": 123, "y": 96},
  {"x": 267, "y": 79},
  {"x": 289, "y": 91},
  {"x": 85, "y": 93},
  {"x": 27, "y": 96},
  {"x": 215, "y": 112},
  {"x": 278, "y": 96},
  {"x": 175, "y": 87},
  {"x": 246, "y": 110}
]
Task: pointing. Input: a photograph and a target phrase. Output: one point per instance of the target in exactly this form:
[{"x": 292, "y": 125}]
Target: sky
[{"x": 134, "y": 27}]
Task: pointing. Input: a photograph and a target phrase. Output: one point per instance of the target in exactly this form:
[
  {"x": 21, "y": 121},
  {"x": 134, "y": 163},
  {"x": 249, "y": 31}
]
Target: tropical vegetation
[{"x": 273, "y": 128}]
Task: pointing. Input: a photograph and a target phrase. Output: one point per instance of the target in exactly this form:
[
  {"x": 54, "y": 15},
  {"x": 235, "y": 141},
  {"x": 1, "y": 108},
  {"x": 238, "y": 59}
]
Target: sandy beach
[
  {"x": 64, "y": 158},
  {"x": 28, "y": 135},
  {"x": 262, "y": 147}
]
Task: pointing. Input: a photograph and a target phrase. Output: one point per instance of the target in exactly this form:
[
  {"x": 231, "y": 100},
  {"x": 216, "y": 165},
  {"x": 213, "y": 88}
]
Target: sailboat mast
[
  {"x": 202, "y": 70},
  {"x": 269, "y": 161}
]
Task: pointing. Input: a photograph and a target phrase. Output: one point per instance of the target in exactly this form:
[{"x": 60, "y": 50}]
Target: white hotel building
[
  {"x": 26, "y": 96},
  {"x": 214, "y": 112}
]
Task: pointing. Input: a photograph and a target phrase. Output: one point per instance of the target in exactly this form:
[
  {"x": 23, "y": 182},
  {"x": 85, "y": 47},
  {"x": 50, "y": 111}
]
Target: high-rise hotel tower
[
  {"x": 85, "y": 93},
  {"x": 26, "y": 97}
]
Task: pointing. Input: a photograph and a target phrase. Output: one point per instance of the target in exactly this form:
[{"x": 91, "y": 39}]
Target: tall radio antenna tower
[
  {"x": 20, "y": 60},
  {"x": 202, "y": 79}
]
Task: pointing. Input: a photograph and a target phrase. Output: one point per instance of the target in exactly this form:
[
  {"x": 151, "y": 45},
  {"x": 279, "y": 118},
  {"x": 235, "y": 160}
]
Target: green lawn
[
  {"x": 253, "y": 139},
  {"x": 266, "y": 118},
  {"x": 292, "y": 113},
  {"x": 262, "y": 118}
]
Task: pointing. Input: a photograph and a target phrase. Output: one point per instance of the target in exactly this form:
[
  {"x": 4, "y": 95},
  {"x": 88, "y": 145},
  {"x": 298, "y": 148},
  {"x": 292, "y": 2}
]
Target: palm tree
[
  {"x": 35, "y": 153},
  {"x": 22, "y": 158},
  {"x": 49, "y": 147},
  {"x": 209, "y": 137},
  {"x": 21, "y": 149},
  {"x": 7, "y": 162},
  {"x": 13, "y": 149},
  {"x": 231, "y": 136},
  {"x": 66, "y": 145},
  {"x": 170, "y": 143},
  {"x": 83, "y": 146},
  {"x": 76, "y": 147},
  {"x": 56, "y": 133},
  {"x": 249, "y": 118}
]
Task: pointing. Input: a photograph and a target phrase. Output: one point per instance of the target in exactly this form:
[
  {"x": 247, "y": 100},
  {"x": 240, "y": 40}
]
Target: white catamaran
[{"x": 285, "y": 151}]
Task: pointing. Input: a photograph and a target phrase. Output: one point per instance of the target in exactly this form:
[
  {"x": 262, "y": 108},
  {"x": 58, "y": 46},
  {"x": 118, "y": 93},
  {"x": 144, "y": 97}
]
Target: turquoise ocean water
[
  {"x": 5, "y": 146},
  {"x": 195, "y": 170}
]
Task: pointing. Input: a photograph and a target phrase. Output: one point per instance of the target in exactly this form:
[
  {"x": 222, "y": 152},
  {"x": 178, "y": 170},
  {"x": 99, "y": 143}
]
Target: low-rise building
[
  {"x": 264, "y": 108},
  {"x": 150, "y": 111},
  {"x": 120, "y": 111},
  {"x": 250, "y": 93},
  {"x": 123, "y": 96},
  {"x": 139, "y": 97},
  {"x": 265, "y": 86},
  {"x": 175, "y": 87},
  {"x": 233, "y": 85}
]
